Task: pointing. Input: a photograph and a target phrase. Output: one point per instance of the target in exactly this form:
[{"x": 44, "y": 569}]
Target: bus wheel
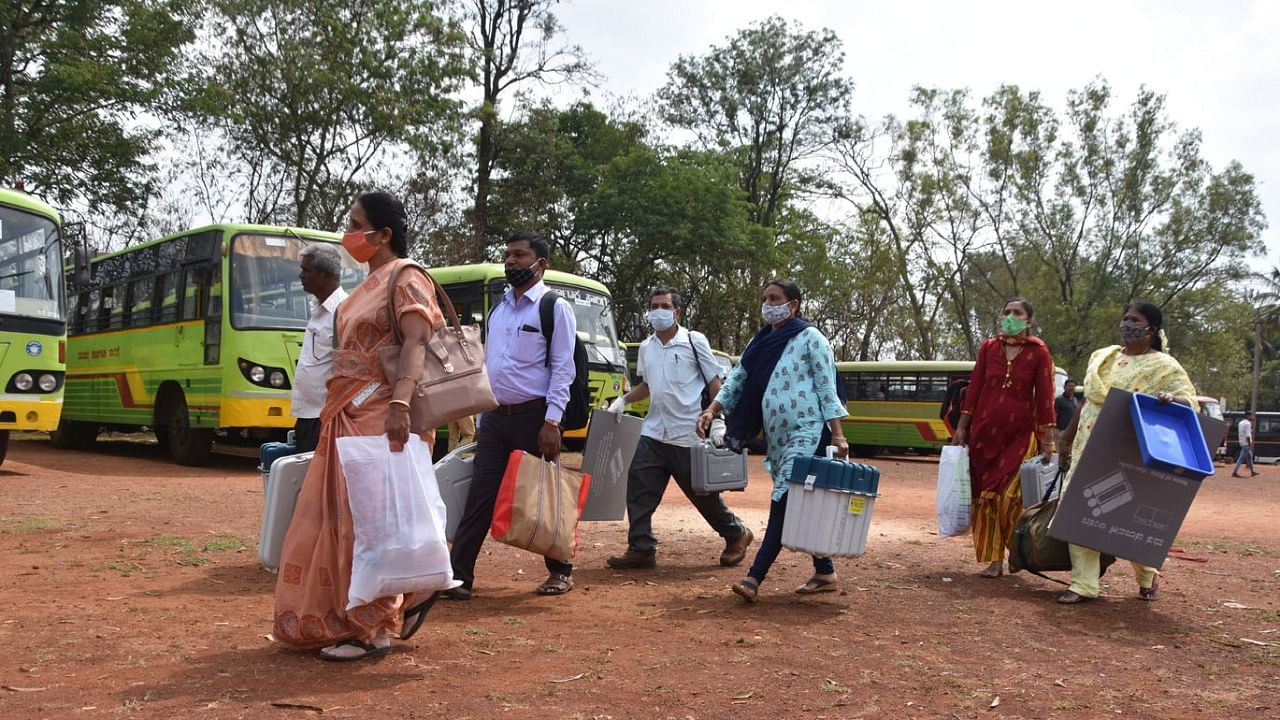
[
  {"x": 4, "y": 445},
  {"x": 864, "y": 451},
  {"x": 74, "y": 435},
  {"x": 162, "y": 436},
  {"x": 187, "y": 445}
]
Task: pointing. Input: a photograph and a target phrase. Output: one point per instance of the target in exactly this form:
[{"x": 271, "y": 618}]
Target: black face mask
[{"x": 519, "y": 277}]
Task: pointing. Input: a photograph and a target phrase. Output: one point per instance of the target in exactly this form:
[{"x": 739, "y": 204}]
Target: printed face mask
[
  {"x": 518, "y": 276},
  {"x": 358, "y": 246},
  {"x": 661, "y": 319},
  {"x": 1132, "y": 332},
  {"x": 1012, "y": 325},
  {"x": 774, "y": 314}
]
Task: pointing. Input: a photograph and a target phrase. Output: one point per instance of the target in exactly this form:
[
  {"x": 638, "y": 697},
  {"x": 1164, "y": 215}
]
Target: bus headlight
[
  {"x": 47, "y": 382},
  {"x": 23, "y": 381},
  {"x": 265, "y": 376}
]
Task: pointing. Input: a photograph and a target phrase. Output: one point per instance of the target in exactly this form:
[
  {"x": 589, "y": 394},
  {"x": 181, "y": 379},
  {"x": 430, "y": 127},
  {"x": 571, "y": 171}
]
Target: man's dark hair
[
  {"x": 675, "y": 295},
  {"x": 384, "y": 210},
  {"x": 1070, "y": 381},
  {"x": 541, "y": 248}
]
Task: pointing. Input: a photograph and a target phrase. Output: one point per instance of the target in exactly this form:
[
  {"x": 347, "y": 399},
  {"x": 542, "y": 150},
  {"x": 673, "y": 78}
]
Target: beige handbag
[{"x": 454, "y": 382}]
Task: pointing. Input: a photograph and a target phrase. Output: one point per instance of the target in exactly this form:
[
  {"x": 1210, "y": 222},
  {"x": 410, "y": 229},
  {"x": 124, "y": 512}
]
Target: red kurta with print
[{"x": 1009, "y": 401}]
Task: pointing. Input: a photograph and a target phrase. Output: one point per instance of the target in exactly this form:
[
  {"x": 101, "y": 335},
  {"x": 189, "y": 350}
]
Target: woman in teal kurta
[{"x": 785, "y": 387}]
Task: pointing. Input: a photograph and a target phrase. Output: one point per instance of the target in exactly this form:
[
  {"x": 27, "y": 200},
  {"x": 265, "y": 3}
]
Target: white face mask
[
  {"x": 774, "y": 314},
  {"x": 661, "y": 319}
]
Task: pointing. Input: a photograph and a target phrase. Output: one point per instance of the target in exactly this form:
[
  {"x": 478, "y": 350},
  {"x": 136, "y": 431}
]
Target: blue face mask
[{"x": 661, "y": 319}]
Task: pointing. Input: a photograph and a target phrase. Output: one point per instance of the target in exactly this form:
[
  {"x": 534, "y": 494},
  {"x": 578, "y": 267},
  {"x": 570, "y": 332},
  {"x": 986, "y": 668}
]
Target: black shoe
[
  {"x": 1236, "y": 475},
  {"x": 632, "y": 560},
  {"x": 458, "y": 593}
]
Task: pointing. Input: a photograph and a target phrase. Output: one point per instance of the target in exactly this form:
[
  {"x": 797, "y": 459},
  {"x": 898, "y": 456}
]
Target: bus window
[
  {"x": 113, "y": 305},
  {"x": 141, "y": 295},
  {"x": 468, "y": 302},
  {"x": 595, "y": 325},
  {"x": 191, "y": 293},
  {"x": 265, "y": 290},
  {"x": 167, "y": 297}
]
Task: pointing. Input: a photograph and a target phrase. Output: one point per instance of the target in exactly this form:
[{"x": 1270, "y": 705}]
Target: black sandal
[
  {"x": 414, "y": 616},
  {"x": 370, "y": 650},
  {"x": 556, "y": 584}
]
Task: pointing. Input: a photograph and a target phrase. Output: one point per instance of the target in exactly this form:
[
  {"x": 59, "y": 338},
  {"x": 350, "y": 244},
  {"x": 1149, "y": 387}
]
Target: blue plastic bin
[{"x": 1170, "y": 437}]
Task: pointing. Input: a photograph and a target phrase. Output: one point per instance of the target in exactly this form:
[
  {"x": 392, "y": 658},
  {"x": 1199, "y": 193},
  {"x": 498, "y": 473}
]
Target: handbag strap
[{"x": 441, "y": 298}]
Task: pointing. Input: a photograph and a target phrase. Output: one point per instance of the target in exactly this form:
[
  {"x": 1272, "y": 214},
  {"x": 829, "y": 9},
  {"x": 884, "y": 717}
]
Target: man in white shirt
[
  {"x": 677, "y": 367},
  {"x": 1245, "y": 435},
  {"x": 320, "y": 275}
]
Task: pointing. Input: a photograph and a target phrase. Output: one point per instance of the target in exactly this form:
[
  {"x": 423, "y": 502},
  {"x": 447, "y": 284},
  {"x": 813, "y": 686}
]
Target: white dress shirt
[
  {"x": 675, "y": 385},
  {"x": 316, "y": 358},
  {"x": 1245, "y": 433}
]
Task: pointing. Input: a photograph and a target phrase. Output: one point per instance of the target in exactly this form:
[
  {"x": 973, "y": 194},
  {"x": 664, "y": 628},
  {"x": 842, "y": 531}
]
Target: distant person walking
[
  {"x": 1136, "y": 366},
  {"x": 677, "y": 367},
  {"x": 320, "y": 272},
  {"x": 1064, "y": 406},
  {"x": 1008, "y": 404},
  {"x": 1245, "y": 435}
]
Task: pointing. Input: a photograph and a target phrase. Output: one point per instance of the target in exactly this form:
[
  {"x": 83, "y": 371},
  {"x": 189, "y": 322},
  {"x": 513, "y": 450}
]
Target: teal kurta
[{"x": 799, "y": 399}]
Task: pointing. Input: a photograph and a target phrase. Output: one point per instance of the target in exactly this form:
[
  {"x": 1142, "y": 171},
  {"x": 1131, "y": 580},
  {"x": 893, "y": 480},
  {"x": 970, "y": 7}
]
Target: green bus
[
  {"x": 475, "y": 289},
  {"x": 194, "y": 335},
  {"x": 33, "y": 328},
  {"x": 896, "y": 406}
]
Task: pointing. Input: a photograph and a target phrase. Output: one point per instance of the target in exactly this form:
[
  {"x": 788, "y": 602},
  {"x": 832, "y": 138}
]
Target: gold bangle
[
  {"x": 407, "y": 377},
  {"x": 405, "y": 403}
]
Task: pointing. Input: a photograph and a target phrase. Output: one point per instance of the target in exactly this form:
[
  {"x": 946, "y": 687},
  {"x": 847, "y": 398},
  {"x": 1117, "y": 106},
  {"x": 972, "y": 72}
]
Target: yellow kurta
[{"x": 1152, "y": 373}]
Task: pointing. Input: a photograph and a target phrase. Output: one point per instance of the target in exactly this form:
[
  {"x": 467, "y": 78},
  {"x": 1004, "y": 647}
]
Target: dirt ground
[{"x": 131, "y": 589}]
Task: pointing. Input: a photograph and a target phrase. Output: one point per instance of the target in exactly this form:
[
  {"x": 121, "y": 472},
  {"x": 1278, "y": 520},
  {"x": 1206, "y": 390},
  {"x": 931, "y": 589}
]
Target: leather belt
[{"x": 524, "y": 407}]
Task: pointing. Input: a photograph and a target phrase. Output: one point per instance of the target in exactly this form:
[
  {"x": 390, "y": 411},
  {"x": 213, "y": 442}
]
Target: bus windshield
[
  {"x": 595, "y": 325},
  {"x": 265, "y": 290},
  {"x": 30, "y": 265}
]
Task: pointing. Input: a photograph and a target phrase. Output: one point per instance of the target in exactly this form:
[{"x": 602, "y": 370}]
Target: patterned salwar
[{"x": 315, "y": 561}]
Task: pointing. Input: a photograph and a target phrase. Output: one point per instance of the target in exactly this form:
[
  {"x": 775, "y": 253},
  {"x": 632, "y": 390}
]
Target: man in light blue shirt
[
  {"x": 531, "y": 394},
  {"x": 677, "y": 367}
]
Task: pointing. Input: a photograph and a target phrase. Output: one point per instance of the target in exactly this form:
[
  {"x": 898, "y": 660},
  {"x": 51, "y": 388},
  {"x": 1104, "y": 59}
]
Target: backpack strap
[
  {"x": 547, "y": 318},
  {"x": 697, "y": 360}
]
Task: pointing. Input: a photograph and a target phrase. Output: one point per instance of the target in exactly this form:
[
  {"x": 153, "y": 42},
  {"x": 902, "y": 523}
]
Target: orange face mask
[{"x": 358, "y": 246}]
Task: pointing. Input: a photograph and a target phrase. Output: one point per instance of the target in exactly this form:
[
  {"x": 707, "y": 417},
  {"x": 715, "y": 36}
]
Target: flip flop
[
  {"x": 370, "y": 650},
  {"x": 414, "y": 616},
  {"x": 815, "y": 585}
]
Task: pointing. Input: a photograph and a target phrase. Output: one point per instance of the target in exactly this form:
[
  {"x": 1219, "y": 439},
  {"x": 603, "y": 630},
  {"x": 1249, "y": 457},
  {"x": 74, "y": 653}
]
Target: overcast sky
[{"x": 1217, "y": 62}]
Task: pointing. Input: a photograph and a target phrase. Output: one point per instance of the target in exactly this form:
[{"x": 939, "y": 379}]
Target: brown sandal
[
  {"x": 555, "y": 584},
  {"x": 746, "y": 588},
  {"x": 815, "y": 585}
]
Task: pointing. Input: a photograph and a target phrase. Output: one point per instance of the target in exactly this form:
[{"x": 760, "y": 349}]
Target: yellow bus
[
  {"x": 33, "y": 328},
  {"x": 195, "y": 335},
  {"x": 896, "y": 406},
  {"x": 475, "y": 289}
]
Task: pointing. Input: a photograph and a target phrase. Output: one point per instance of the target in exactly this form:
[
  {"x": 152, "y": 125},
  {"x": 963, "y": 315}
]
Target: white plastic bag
[
  {"x": 955, "y": 497},
  {"x": 399, "y": 519}
]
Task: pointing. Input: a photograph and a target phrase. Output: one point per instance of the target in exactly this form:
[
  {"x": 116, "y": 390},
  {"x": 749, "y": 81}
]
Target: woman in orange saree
[
  {"x": 315, "y": 561},
  {"x": 1009, "y": 403}
]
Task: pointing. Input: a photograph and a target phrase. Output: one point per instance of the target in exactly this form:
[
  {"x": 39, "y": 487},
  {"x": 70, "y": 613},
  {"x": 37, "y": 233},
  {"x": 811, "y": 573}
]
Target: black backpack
[{"x": 578, "y": 411}]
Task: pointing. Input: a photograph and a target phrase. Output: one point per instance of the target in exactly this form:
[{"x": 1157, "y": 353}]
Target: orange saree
[{"x": 315, "y": 561}]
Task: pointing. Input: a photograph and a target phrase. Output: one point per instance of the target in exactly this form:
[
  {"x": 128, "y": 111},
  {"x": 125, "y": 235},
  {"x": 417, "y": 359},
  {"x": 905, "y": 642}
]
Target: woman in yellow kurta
[
  {"x": 1139, "y": 365},
  {"x": 315, "y": 561}
]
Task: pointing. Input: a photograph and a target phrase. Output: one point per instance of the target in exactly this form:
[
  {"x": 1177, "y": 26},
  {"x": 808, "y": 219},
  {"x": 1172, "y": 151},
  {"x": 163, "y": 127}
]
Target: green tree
[
  {"x": 772, "y": 97},
  {"x": 319, "y": 99},
  {"x": 514, "y": 42},
  {"x": 75, "y": 75}
]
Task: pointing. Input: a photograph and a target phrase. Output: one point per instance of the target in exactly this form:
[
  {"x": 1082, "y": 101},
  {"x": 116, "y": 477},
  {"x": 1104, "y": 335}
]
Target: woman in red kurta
[{"x": 1009, "y": 402}]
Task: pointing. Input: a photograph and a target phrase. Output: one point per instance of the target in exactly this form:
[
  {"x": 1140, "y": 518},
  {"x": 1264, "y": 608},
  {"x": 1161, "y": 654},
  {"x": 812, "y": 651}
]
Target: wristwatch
[{"x": 552, "y": 423}]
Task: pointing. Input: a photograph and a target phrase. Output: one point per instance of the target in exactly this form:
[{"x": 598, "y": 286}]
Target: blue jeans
[
  {"x": 1245, "y": 456},
  {"x": 772, "y": 545}
]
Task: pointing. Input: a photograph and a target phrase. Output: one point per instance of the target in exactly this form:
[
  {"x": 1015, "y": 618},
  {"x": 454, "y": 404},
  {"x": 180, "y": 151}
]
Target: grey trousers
[{"x": 652, "y": 466}]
